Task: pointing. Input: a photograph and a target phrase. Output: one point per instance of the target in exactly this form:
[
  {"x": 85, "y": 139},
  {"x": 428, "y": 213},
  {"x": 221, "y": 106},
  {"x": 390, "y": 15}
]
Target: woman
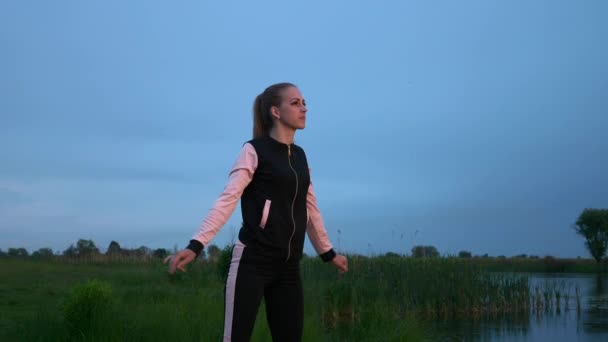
[{"x": 271, "y": 177}]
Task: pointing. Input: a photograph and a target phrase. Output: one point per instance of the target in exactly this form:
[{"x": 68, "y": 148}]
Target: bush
[
  {"x": 87, "y": 306},
  {"x": 425, "y": 252},
  {"x": 464, "y": 254},
  {"x": 43, "y": 253}
]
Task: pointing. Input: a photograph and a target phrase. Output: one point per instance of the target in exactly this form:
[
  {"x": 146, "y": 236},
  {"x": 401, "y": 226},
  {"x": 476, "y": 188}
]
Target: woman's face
[{"x": 292, "y": 111}]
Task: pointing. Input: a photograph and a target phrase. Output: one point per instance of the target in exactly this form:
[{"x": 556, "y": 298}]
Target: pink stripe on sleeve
[
  {"x": 316, "y": 228},
  {"x": 240, "y": 176}
]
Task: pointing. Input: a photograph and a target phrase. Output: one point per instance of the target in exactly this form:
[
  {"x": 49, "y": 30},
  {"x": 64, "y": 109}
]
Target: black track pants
[{"x": 251, "y": 278}]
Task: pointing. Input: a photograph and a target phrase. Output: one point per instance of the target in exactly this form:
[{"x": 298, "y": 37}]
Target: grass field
[{"x": 383, "y": 298}]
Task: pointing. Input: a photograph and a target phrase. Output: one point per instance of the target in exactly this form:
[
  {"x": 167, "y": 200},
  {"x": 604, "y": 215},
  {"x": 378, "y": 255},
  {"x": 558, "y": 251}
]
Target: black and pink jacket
[{"x": 278, "y": 203}]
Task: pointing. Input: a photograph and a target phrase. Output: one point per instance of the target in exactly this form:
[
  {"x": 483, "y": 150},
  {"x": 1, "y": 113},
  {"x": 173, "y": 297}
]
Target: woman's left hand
[{"x": 341, "y": 263}]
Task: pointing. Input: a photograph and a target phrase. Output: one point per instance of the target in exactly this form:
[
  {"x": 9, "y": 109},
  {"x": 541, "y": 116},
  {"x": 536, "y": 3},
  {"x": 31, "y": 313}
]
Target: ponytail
[
  {"x": 262, "y": 120},
  {"x": 260, "y": 126}
]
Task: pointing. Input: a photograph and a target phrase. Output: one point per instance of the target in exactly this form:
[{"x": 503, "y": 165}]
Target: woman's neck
[{"x": 282, "y": 134}]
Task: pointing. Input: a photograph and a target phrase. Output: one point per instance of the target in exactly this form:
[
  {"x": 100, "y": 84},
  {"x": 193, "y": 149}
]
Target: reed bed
[
  {"x": 555, "y": 296},
  {"x": 424, "y": 288}
]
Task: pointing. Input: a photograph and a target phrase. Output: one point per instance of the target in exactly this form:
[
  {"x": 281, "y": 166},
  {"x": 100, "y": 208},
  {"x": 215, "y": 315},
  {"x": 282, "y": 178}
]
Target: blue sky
[{"x": 467, "y": 125}]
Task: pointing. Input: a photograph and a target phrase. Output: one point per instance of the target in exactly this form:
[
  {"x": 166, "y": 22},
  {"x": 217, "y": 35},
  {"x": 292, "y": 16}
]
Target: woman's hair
[{"x": 271, "y": 96}]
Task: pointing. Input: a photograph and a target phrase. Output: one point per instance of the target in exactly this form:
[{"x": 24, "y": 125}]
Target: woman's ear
[{"x": 274, "y": 111}]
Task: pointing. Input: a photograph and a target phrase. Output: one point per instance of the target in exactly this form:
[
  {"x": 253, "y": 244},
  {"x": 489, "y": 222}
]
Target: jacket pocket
[{"x": 265, "y": 213}]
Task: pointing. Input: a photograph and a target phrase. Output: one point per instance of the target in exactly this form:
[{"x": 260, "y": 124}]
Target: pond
[{"x": 582, "y": 314}]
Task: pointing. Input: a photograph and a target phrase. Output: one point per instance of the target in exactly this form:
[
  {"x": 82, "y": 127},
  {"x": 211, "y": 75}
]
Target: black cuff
[
  {"x": 195, "y": 246},
  {"x": 328, "y": 256}
]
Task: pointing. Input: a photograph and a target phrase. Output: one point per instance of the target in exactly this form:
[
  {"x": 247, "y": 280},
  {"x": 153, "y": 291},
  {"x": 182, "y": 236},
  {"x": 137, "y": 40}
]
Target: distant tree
[
  {"x": 160, "y": 253},
  {"x": 143, "y": 251},
  {"x": 521, "y": 256},
  {"x": 592, "y": 224},
  {"x": 113, "y": 249},
  {"x": 391, "y": 255},
  {"x": 43, "y": 253},
  {"x": 2, "y": 253},
  {"x": 213, "y": 253},
  {"x": 70, "y": 252},
  {"x": 83, "y": 248},
  {"x": 464, "y": 254},
  {"x": 18, "y": 252},
  {"x": 424, "y": 252},
  {"x": 86, "y": 248}
]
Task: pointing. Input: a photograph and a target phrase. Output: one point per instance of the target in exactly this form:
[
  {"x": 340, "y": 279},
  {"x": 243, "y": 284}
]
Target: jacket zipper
[{"x": 293, "y": 220}]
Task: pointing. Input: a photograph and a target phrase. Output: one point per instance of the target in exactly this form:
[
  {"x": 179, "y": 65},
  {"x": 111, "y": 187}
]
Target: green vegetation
[
  {"x": 546, "y": 264},
  {"x": 87, "y": 304},
  {"x": 127, "y": 294},
  {"x": 113, "y": 301},
  {"x": 387, "y": 297}
]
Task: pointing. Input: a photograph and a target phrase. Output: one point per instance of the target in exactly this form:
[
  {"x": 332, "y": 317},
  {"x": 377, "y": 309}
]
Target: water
[{"x": 590, "y": 323}]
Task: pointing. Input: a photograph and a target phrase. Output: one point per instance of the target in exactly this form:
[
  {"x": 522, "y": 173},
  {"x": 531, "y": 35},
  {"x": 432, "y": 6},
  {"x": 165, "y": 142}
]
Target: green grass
[{"x": 382, "y": 298}]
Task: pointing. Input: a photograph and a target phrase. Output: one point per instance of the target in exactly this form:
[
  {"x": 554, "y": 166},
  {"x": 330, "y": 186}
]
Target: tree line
[
  {"x": 86, "y": 248},
  {"x": 592, "y": 225}
]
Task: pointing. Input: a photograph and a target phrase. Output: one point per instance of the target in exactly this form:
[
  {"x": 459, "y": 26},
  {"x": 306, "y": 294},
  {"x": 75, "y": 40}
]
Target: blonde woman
[{"x": 271, "y": 178}]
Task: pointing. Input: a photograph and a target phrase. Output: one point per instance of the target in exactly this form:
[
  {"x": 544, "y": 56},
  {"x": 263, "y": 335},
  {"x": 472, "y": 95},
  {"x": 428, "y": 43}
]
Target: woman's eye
[{"x": 297, "y": 103}]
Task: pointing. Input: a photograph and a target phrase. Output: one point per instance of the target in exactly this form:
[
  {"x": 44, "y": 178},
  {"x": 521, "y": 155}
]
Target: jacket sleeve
[
  {"x": 316, "y": 228},
  {"x": 240, "y": 176}
]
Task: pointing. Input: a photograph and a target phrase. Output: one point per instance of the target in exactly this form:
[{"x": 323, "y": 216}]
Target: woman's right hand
[
  {"x": 180, "y": 260},
  {"x": 341, "y": 263}
]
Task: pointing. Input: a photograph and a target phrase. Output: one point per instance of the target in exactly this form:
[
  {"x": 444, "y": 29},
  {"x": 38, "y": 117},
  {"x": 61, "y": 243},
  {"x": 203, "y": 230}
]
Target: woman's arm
[
  {"x": 316, "y": 228},
  {"x": 318, "y": 235},
  {"x": 240, "y": 176}
]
